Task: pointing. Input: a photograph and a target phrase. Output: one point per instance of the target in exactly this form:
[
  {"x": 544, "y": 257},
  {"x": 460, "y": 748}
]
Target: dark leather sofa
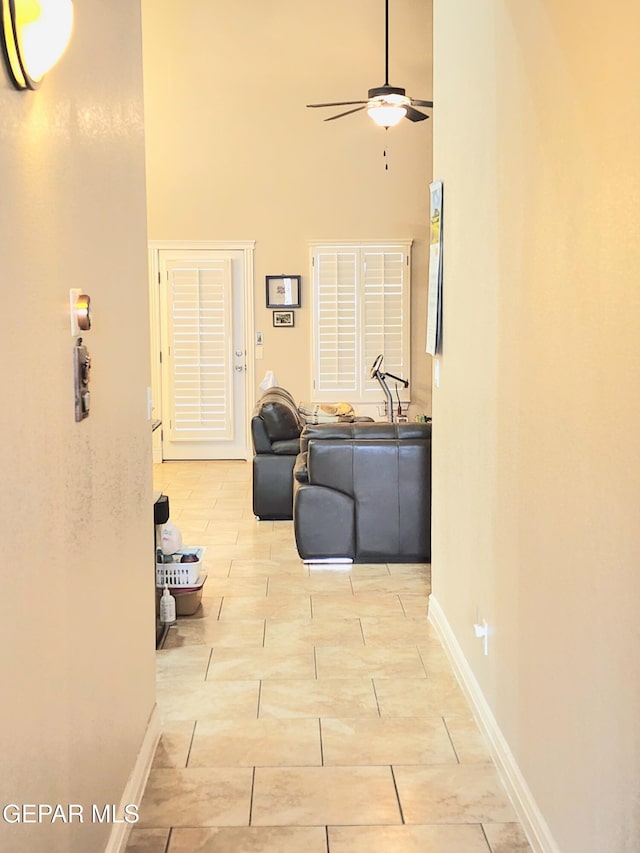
[
  {"x": 363, "y": 492},
  {"x": 275, "y": 430}
]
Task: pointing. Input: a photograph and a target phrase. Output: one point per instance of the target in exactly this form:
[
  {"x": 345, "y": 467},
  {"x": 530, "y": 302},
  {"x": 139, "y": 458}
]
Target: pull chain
[{"x": 385, "y": 152}]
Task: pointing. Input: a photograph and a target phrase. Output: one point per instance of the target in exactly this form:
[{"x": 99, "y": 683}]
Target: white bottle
[{"x": 167, "y": 607}]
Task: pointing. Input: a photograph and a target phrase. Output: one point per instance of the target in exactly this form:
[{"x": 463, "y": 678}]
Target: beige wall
[
  {"x": 232, "y": 152},
  {"x": 77, "y": 662},
  {"x": 536, "y": 461}
]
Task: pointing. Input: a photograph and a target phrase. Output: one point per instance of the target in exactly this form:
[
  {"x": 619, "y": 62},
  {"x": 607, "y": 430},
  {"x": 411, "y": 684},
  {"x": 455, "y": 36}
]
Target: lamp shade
[
  {"x": 387, "y": 115},
  {"x": 387, "y": 105},
  {"x": 35, "y": 35}
]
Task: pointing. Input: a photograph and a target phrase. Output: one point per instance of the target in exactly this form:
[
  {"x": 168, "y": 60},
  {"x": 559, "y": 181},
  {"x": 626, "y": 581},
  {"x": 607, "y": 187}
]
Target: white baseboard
[
  {"x": 135, "y": 786},
  {"x": 530, "y": 816}
]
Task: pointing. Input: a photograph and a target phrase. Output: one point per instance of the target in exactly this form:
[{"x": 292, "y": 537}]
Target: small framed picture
[
  {"x": 283, "y": 291},
  {"x": 283, "y": 318}
]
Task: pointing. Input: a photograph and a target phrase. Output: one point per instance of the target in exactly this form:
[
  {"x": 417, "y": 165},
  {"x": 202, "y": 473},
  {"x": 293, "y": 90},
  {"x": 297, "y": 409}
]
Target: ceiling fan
[{"x": 387, "y": 105}]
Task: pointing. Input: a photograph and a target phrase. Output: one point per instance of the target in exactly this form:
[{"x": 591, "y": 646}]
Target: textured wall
[
  {"x": 77, "y": 663},
  {"x": 536, "y": 461},
  {"x": 233, "y": 153}
]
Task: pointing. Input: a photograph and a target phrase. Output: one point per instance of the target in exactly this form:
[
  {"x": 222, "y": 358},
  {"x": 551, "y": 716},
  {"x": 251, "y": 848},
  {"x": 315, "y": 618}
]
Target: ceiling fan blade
[
  {"x": 418, "y": 103},
  {"x": 348, "y": 113},
  {"x": 415, "y": 115},
  {"x": 338, "y": 104}
]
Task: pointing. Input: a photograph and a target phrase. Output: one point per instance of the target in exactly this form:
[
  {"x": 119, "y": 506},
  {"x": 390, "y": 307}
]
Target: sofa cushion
[
  {"x": 280, "y": 421},
  {"x": 288, "y": 447},
  {"x": 259, "y": 435},
  {"x": 278, "y": 410}
]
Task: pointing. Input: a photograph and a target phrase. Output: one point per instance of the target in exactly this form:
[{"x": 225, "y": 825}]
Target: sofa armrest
[
  {"x": 324, "y": 523},
  {"x": 261, "y": 440},
  {"x": 273, "y": 486},
  {"x": 300, "y": 470},
  {"x": 330, "y": 463}
]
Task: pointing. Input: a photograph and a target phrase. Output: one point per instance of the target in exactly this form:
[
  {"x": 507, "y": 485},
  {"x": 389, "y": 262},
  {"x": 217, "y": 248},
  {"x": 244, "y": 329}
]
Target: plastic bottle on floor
[{"x": 167, "y": 607}]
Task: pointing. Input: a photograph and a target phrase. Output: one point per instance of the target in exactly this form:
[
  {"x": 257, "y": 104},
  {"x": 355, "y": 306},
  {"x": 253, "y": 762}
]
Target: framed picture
[
  {"x": 283, "y": 291},
  {"x": 283, "y": 318}
]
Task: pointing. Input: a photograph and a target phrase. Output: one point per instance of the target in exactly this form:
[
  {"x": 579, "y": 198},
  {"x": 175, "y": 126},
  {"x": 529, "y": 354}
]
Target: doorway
[{"x": 202, "y": 361}]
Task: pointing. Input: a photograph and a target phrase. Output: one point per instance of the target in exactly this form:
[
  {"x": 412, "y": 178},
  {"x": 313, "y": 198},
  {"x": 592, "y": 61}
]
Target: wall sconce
[
  {"x": 79, "y": 310},
  {"x": 35, "y": 35}
]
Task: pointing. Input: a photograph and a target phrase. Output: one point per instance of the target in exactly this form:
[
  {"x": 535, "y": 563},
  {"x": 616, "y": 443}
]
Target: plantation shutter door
[
  {"x": 336, "y": 326},
  {"x": 199, "y": 316},
  {"x": 384, "y": 309}
]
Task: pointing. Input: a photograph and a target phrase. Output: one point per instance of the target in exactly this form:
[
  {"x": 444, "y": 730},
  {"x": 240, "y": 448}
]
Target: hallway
[{"x": 308, "y": 709}]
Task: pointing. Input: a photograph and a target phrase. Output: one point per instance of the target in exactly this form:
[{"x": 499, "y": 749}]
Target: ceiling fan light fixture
[
  {"x": 387, "y": 105},
  {"x": 386, "y": 114}
]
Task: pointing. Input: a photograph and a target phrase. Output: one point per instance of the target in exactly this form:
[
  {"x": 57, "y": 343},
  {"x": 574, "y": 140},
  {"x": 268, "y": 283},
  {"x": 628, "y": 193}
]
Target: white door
[{"x": 203, "y": 354}]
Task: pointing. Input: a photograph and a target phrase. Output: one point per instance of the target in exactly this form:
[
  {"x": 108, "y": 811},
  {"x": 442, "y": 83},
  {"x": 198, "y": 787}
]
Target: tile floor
[{"x": 308, "y": 710}]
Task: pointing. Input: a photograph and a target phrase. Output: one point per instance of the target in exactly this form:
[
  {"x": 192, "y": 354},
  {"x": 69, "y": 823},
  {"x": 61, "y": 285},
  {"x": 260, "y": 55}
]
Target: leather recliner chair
[
  {"x": 363, "y": 492},
  {"x": 275, "y": 431}
]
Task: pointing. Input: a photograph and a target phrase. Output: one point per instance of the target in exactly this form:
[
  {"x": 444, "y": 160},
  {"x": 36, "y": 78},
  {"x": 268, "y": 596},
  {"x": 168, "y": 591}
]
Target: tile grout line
[
  {"x": 375, "y": 693},
  {"x": 259, "y": 699},
  {"x": 253, "y": 787},
  {"x": 395, "y": 786},
  {"x": 168, "y": 841},
  {"x": 424, "y": 666},
  {"x": 484, "y": 835},
  {"x": 453, "y": 746},
  {"x": 193, "y": 734},
  {"x": 206, "y": 672},
  {"x": 222, "y": 597},
  {"x": 321, "y": 747}
]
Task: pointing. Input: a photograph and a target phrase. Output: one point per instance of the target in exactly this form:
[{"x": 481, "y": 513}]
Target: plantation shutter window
[
  {"x": 361, "y": 297},
  {"x": 199, "y": 316},
  {"x": 337, "y": 321}
]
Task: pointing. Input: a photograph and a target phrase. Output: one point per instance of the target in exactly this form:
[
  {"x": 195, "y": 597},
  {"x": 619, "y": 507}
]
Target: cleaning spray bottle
[{"x": 167, "y": 607}]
